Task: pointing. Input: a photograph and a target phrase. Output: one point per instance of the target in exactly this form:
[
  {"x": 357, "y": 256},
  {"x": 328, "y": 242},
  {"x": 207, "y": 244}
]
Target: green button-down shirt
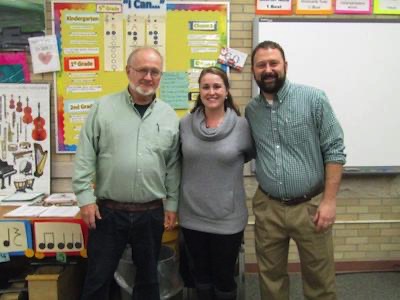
[
  {"x": 295, "y": 137},
  {"x": 132, "y": 159}
]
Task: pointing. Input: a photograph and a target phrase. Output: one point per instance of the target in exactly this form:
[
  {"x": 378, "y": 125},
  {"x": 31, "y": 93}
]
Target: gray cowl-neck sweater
[{"x": 212, "y": 191}]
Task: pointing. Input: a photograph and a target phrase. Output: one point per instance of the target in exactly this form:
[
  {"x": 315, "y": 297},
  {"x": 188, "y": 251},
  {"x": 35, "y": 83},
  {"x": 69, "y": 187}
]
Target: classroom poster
[
  {"x": 95, "y": 39},
  {"x": 387, "y": 7},
  {"x": 197, "y": 32},
  {"x": 353, "y": 7},
  {"x": 24, "y": 138},
  {"x": 273, "y": 7},
  {"x": 314, "y": 7}
]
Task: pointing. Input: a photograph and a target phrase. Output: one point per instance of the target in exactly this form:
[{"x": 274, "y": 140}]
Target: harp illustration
[{"x": 40, "y": 159}]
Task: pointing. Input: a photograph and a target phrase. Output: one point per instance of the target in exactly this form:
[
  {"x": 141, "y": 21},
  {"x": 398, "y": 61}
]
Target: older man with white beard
[{"x": 130, "y": 146}]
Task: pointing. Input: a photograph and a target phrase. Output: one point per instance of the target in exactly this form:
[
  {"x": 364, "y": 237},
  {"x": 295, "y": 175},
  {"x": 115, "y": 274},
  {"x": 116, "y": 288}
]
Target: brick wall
[
  {"x": 367, "y": 229},
  {"x": 368, "y": 212}
]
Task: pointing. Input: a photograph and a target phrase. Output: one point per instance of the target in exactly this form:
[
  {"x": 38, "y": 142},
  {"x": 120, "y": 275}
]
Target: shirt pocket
[
  {"x": 296, "y": 131},
  {"x": 160, "y": 139}
]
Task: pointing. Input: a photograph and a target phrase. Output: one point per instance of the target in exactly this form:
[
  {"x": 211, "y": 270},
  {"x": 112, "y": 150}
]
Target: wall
[{"x": 367, "y": 231}]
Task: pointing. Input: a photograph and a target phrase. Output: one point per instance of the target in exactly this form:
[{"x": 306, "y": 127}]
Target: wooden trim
[{"x": 344, "y": 266}]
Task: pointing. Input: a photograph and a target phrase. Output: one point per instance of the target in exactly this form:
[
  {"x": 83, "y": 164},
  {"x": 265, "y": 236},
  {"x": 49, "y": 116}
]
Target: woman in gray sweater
[{"x": 216, "y": 142}]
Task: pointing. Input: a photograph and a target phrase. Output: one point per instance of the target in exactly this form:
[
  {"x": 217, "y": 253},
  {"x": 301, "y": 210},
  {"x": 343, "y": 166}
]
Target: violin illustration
[
  {"x": 39, "y": 133},
  {"x": 27, "y": 118},
  {"x": 12, "y": 102},
  {"x": 19, "y": 104}
]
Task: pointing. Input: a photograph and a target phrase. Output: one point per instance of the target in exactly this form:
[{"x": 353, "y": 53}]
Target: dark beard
[{"x": 271, "y": 88}]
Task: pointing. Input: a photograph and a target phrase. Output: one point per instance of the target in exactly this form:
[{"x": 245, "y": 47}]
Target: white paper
[
  {"x": 43, "y": 211},
  {"x": 60, "y": 211},
  {"x": 26, "y": 211},
  {"x": 44, "y": 52}
]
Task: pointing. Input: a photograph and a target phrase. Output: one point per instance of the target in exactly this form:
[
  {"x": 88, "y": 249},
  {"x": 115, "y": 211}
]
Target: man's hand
[
  {"x": 169, "y": 220},
  {"x": 89, "y": 213},
  {"x": 326, "y": 215}
]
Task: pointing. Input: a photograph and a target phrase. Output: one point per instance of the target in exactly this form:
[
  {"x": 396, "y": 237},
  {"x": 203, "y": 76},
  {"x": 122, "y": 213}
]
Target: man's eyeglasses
[{"x": 154, "y": 73}]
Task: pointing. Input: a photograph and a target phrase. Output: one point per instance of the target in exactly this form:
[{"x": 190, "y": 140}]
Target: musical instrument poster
[
  {"x": 16, "y": 237},
  {"x": 24, "y": 138},
  {"x": 61, "y": 235}
]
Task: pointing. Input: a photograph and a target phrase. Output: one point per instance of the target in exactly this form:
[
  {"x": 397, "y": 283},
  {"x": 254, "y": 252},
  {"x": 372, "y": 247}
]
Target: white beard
[{"x": 140, "y": 91}]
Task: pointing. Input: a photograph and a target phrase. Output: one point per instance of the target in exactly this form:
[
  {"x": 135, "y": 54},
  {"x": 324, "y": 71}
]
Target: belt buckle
[{"x": 284, "y": 201}]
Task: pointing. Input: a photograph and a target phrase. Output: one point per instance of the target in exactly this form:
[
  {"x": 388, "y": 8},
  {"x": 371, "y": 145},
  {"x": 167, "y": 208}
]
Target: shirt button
[
  {"x": 277, "y": 146},
  {"x": 274, "y": 128},
  {"x": 139, "y": 170},
  {"x": 140, "y": 154},
  {"x": 280, "y": 182},
  {"x": 273, "y": 111}
]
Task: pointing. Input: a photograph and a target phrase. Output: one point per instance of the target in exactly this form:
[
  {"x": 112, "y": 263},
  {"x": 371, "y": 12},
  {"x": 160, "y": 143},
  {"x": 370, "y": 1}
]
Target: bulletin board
[
  {"x": 190, "y": 34},
  {"x": 356, "y": 63}
]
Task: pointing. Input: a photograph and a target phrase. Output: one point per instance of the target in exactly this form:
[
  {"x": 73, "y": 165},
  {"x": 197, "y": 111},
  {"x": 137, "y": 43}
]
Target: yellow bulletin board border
[{"x": 80, "y": 31}]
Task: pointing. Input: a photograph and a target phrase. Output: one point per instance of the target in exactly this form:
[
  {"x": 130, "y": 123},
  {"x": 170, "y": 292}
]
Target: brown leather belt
[
  {"x": 295, "y": 200},
  {"x": 130, "y": 206}
]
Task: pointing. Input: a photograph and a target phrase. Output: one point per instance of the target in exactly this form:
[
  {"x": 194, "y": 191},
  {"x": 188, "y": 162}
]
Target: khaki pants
[{"x": 275, "y": 225}]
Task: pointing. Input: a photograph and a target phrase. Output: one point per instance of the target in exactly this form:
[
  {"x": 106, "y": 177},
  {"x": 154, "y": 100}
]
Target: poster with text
[{"x": 95, "y": 39}]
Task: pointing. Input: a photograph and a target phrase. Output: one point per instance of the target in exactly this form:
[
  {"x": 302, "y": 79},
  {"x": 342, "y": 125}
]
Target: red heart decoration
[{"x": 45, "y": 57}]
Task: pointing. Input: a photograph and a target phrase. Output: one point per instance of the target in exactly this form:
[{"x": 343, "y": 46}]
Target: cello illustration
[
  {"x": 27, "y": 118},
  {"x": 39, "y": 133}
]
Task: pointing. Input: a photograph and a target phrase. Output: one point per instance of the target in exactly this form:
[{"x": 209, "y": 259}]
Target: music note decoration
[
  {"x": 16, "y": 237},
  {"x": 53, "y": 236}
]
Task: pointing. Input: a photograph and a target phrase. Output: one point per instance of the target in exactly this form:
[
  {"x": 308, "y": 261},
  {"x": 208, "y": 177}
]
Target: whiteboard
[{"x": 357, "y": 64}]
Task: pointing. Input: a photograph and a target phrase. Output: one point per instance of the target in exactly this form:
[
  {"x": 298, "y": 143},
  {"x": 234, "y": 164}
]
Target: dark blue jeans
[{"x": 143, "y": 231}]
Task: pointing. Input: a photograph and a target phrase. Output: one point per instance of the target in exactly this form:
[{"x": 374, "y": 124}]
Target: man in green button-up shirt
[
  {"x": 130, "y": 146},
  {"x": 300, "y": 153}
]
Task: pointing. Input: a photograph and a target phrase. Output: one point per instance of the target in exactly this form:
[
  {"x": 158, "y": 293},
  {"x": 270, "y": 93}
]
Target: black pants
[
  {"x": 213, "y": 258},
  {"x": 143, "y": 231}
]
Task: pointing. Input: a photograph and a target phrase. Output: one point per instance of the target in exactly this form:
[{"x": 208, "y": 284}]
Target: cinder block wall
[
  {"x": 367, "y": 230},
  {"x": 368, "y": 213}
]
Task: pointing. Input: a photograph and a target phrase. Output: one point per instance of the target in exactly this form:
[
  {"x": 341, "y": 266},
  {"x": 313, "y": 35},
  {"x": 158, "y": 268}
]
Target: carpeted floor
[{"x": 350, "y": 286}]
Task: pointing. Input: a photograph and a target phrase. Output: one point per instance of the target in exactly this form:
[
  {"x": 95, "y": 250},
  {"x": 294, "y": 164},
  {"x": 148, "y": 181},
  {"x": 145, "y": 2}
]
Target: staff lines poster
[{"x": 94, "y": 41}]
